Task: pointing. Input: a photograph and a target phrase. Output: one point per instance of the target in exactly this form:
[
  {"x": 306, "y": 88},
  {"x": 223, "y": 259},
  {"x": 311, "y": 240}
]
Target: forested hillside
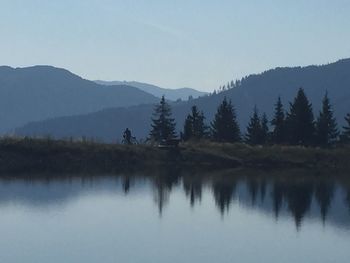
[
  {"x": 260, "y": 90},
  {"x": 41, "y": 92}
]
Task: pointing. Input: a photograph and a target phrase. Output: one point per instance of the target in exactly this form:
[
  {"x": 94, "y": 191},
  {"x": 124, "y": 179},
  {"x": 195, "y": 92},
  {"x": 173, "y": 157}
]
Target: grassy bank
[
  {"x": 280, "y": 156},
  {"x": 46, "y": 155}
]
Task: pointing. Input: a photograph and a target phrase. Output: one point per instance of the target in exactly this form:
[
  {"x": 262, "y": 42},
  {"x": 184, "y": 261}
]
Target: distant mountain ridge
[
  {"x": 41, "y": 92},
  {"x": 170, "y": 94},
  {"x": 261, "y": 90}
]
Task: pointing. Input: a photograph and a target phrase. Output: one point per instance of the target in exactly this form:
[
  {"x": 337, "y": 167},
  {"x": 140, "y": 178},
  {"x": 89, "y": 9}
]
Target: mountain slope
[
  {"x": 41, "y": 92},
  {"x": 260, "y": 89},
  {"x": 170, "y": 94}
]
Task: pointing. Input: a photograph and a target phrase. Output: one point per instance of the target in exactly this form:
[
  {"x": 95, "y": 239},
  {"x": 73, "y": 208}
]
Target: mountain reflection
[{"x": 297, "y": 197}]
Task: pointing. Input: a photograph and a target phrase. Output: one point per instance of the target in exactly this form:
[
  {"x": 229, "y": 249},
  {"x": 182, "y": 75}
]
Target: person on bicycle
[{"x": 127, "y": 136}]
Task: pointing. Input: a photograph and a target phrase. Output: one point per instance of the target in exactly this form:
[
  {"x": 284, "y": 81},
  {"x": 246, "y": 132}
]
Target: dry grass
[{"x": 48, "y": 155}]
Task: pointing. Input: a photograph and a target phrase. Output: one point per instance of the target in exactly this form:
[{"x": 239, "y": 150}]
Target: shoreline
[{"x": 27, "y": 155}]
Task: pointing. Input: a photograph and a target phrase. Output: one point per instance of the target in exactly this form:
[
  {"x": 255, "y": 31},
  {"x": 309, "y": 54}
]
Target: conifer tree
[
  {"x": 163, "y": 125},
  {"x": 224, "y": 126},
  {"x": 264, "y": 133},
  {"x": 188, "y": 129},
  {"x": 257, "y": 130},
  {"x": 194, "y": 127},
  {"x": 326, "y": 125},
  {"x": 346, "y": 129},
  {"x": 199, "y": 127},
  {"x": 300, "y": 121},
  {"x": 278, "y": 123},
  {"x": 253, "y": 135}
]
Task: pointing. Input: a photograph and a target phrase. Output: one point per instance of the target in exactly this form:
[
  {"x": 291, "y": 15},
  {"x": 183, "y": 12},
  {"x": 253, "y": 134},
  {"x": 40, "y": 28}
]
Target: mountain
[
  {"x": 170, "y": 94},
  {"x": 261, "y": 90},
  {"x": 41, "y": 92}
]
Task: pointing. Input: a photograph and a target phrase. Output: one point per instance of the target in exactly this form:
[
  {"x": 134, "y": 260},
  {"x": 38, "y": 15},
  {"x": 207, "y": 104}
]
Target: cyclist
[{"x": 127, "y": 136}]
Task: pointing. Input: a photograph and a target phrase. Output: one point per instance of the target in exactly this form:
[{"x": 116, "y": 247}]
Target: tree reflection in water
[
  {"x": 223, "y": 194},
  {"x": 296, "y": 194},
  {"x": 299, "y": 196},
  {"x": 324, "y": 192},
  {"x": 277, "y": 197},
  {"x": 193, "y": 189},
  {"x": 347, "y": 200},
  {"x": 163, "y": 185}
]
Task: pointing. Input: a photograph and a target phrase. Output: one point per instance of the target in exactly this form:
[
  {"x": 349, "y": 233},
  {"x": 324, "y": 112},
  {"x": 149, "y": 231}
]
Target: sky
[{"x": 184, "y": 43}]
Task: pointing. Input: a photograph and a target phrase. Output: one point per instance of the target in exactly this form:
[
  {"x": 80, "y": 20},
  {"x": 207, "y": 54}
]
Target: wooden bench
[{"x": 170, "y": 143}]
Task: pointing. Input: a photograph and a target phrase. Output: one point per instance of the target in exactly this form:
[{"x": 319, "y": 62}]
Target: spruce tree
[
  {"x": 257, "y": 130},
  {"x": 199, "y": 127},
  {"x": 188, "y": 129},
  {"x": 163, "y": 125},
  {"x": 326, "y": 125},
  {"x": 278, "y": 123},
  {"x": 253, "y": 135},
  {"x": 346, "y": 130},
  {"x": 224, "y": 126},
  {"x": 264, "y": 133},
  {"x": 194, "y": 127},
  {"x": 300, "y": 121}
]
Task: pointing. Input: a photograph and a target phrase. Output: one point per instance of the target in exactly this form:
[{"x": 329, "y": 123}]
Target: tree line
[{"x": 295, "y": 126}]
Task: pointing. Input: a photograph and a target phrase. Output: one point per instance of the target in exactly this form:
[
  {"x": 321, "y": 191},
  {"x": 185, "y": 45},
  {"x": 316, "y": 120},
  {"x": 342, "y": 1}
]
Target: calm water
[{"x": 168, "y": 218}]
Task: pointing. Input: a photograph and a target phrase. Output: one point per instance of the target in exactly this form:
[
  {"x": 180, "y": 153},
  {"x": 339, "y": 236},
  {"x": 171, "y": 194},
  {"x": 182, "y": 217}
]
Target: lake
[{"x": 175, "y": 217}]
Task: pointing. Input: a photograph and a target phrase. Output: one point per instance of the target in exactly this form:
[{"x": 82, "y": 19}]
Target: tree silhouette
[
  {"x": 188, "y": 129},
  {"x": 264, "y": 133},
  {"x": 163, "y": 125},
  {"x": 278, "y": 122},
  {"x": 194, "y": 127},
  {"x": 225, "y": 127},
  {"x": 300, "y": 121},
  {"x": 257, "y": 130},
  {"x": 346, "y": 129},
  {"x": 326, "y": 125},
  {"x": 253, "y": 135}
]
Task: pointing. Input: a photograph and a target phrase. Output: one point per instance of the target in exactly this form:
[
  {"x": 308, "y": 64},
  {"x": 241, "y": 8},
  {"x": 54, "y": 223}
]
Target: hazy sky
[{"x": 195, "y": 43}]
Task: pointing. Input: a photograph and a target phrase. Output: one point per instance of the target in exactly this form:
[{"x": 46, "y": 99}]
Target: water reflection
[
  {"x": 324, "y": 193},
  {"x": 163, "y": 184},
  {"x": 277, "y": 197},
  {"x": 348, "y": 198},
  {"x": 193, "y": 189},
  {"x": 224, "y": 194},
  {"x": 296, "y": 197}
]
